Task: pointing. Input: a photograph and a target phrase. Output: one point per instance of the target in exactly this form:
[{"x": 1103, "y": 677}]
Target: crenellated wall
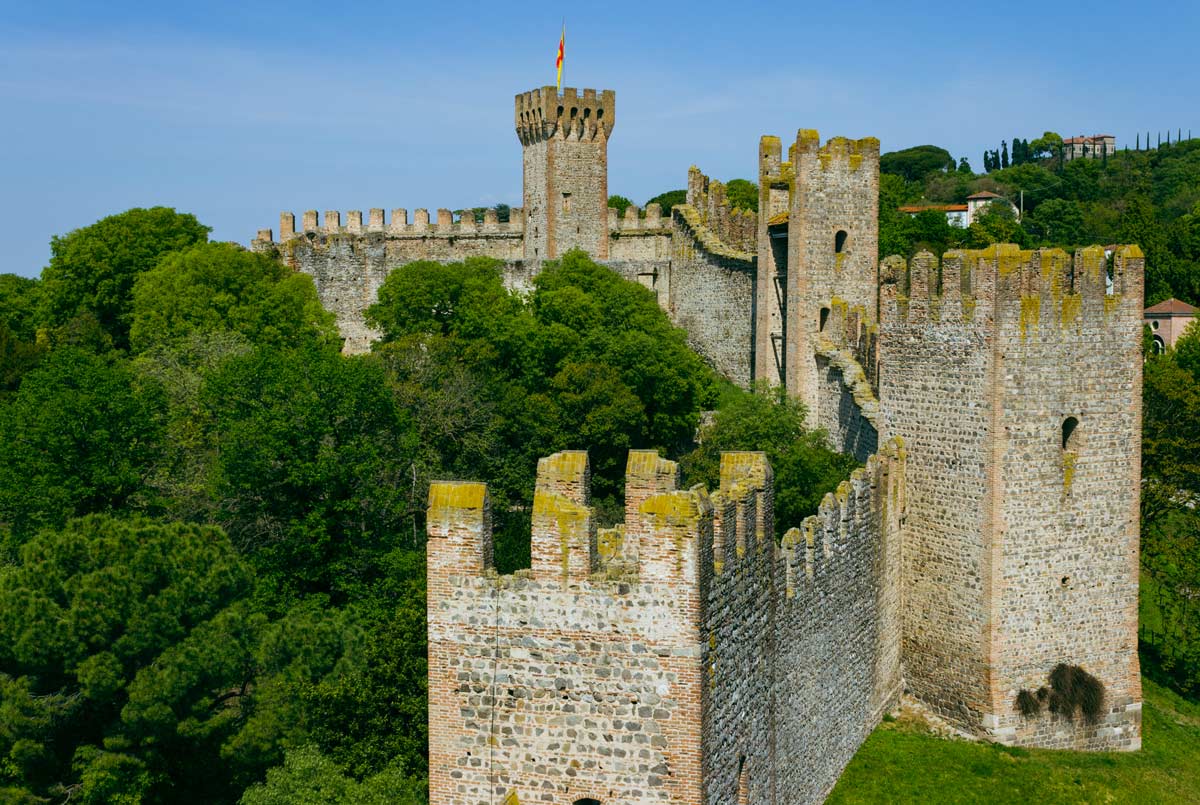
[
  {"x": 736, "y": 228},
  {"x": 712, "y": 295},
  {"x": 349, "y": 262},
  {"x": 672, "y": 658},
  {"x": 1015, "y": 381}
]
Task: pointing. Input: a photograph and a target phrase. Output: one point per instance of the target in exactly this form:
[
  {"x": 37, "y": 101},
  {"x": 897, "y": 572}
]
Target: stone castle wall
[
  {"x": 348, "y": 263},
  {"x": 658, "y": 660},
  {"x": 712, "y": 295},
  {"x": 1022, "y": 538}
]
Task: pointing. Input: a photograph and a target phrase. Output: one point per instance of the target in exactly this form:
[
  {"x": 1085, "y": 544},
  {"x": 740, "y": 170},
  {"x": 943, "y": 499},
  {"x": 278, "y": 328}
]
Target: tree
[
  {"x": 1057, "y": 221},
  {"x": 964, "y": 167},
  {"x": 997, "y": 223},
  {"x": 1046, "y": 146},
  {"x": 742, "y": 194},
  {"x": 133, "y": 670},
  {"x": 309, "y": 778},
  {"x": 93, "y": 269},
  {"x": 668, "y": 200},
  {"x": 588, "y": 360},
  {"x": 83, "y": 613},
  {"x": 311, "y": 470},
  {"x": 217, "y": 287},
  {"x": 1003, "y": 154},
  {"x": 80, "y": 436},
  {"x": 619, "y": 203},
  {"x": 768, "y": 419},
  {"x": 1187, "y": 349},
  {"x": 19, "y": 302},
  {"x": 914, "y": 164}
]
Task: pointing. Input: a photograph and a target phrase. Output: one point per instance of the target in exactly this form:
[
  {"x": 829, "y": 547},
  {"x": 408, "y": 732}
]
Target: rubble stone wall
[{"x": 1022, "y": 537}]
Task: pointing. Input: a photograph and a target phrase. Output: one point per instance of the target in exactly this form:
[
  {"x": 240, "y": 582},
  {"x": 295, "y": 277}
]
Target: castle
[{"x": 686, "y": 656}]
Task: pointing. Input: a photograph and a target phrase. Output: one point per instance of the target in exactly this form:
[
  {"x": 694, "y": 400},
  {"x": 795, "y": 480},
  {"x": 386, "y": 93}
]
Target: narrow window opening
[
  {"x": 743, "y": 795},
  {"x": 839, "y": 241},
  {"x": 1070, "y": 427},
  {"x": 824, "y": 319},
  {"x": 587, "y": 801},
  {"x": 566, "y": 202}
]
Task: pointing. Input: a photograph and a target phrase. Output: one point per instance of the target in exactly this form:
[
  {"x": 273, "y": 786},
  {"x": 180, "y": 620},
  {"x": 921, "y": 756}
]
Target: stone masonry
[
  {"x": 686, "y": 656},
  {"x": 1015, "y": 384}
]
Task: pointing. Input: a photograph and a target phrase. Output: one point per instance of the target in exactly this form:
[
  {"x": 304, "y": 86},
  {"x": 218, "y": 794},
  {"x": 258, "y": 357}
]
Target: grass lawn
[{"x": 903, "y": 762}]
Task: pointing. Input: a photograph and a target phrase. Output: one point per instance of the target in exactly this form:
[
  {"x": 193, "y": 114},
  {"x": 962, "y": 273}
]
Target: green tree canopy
[
  {"x": 312, "y": 466},
  {"x": 668, "y": 200},
  {"x": 93, "y": 269},
  {"x": 619, "y": 203},
  {"x": 220, "y": 286},
  {"x": 914, "y": 164},
  {"x": 1048, "y": 145},
  {"x": 742, "y": 194},
  {"x": 131, "y": 668},
  {"x": 309, "y": 778},
  {"x": 1057, "y": 221},
  {"x": 79, "y": 436}
]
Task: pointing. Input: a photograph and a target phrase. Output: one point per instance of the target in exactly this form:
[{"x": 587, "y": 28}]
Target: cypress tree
[{"x": 1003, "y": 153}]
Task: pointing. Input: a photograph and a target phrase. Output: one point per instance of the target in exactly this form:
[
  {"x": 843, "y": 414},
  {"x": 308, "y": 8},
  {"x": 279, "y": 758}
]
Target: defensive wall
[
  {"x": 706, "y": 285},
  {"x": 687, "y": 656},
  {"x": 682, "y": 656},
  {"x": 1014, "y": 380}
]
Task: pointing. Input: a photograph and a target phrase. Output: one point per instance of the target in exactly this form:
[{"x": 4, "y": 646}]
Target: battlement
[
  {"x": 736, "y": 228},
  {"x": 542, "y": 114},
  {"x": 633, "y": 222},
  {"x": 863, "y": 508},
  {"x": 443, "y": 223},
  {"x": 839, "y": 153},
  {"x": 1039, "y": 294}
]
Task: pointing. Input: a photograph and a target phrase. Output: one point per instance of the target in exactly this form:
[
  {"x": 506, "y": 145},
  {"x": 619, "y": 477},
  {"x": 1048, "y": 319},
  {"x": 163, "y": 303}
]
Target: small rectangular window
[{"x": 566, "y": 202}]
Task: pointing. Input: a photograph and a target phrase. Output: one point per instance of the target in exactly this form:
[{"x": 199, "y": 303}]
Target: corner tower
[
  {"x": 1014, "y": 380},
  {"x": 564, "y": 140}
]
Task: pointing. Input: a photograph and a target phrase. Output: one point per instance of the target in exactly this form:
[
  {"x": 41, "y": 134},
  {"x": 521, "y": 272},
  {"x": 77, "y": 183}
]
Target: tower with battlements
[
  {"x": 1014, "y": 380},
  {"x": 564, "y": 154},
  {"x": 685, "y": 655}
]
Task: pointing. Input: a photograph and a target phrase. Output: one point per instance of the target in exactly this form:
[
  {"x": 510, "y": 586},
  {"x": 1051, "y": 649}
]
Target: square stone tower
[
  {"x": 817, "y": 245},
  {"x": 1014, "y": 380},
  {"x": 564, "y": 141}
]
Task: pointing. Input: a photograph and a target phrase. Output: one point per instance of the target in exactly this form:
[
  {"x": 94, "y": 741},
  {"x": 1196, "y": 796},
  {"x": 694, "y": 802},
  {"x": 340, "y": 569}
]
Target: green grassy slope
[{"x": 902, "y": 762}]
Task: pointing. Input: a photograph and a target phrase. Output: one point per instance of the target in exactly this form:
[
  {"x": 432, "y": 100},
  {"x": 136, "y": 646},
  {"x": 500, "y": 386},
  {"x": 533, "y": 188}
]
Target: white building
[{"x": 978, "y": 202}]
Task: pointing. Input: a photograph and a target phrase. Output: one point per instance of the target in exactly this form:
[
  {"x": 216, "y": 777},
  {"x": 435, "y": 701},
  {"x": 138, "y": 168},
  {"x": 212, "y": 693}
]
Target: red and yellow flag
[{"x": 562, "y": 46}]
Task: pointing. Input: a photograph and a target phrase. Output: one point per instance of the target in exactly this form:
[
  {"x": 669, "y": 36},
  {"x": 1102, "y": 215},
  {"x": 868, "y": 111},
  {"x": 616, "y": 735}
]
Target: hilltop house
[{"x": 1168, "y": 320}]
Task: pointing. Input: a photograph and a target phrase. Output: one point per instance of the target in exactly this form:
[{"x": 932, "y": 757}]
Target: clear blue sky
[{"x": 237, "y": 110}]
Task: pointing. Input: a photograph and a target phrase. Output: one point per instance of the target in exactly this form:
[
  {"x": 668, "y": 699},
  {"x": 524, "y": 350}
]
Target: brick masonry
[
  {"x": 686, "y": 656},
  {"x": 659, "y": 661},
  {"x": 1022, "y": 536}
]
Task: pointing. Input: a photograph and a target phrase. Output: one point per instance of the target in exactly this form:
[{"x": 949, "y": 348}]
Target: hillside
[{"x": 903, "y": 762}]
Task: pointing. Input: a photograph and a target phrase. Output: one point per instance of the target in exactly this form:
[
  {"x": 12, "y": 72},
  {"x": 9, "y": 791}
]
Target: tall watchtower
[
  {"x": 833, "y": 241},
  {"x": 564, "y": 141}
]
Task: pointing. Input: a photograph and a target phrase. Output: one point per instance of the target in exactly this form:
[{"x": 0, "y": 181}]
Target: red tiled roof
[
  {"x": 1092, "y": 139},
  {"x": 938, "y": 207},
  {"x": 1171, "y": 307}
]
